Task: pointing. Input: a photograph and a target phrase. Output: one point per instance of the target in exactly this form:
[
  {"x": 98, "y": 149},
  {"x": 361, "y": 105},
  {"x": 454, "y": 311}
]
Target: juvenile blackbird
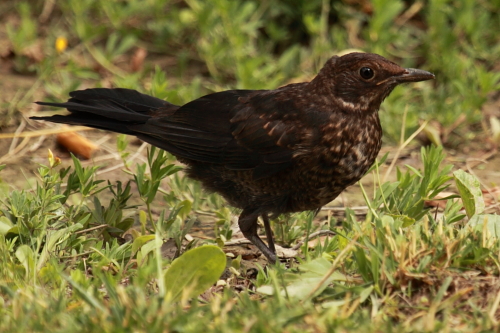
[{"x": 291, "y": 149}]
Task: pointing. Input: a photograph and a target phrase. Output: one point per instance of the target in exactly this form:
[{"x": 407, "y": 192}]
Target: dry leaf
[
  {"x": 76, "y": 144},
  {"x": 491, "y": 196},
  {"x": 137, "y": 60}
]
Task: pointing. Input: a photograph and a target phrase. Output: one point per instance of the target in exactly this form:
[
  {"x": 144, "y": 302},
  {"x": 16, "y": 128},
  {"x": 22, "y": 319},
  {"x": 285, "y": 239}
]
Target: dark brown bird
[{"x": 291, "y": 149}]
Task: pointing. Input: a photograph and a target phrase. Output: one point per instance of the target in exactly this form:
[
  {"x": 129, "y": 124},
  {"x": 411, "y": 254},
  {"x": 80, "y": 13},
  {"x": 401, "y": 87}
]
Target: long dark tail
[{"x": 110, "y": 109}]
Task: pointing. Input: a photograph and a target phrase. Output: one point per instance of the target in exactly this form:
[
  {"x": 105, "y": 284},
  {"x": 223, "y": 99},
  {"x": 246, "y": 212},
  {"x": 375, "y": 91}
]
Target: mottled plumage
[{"x": 291, "y": 149}]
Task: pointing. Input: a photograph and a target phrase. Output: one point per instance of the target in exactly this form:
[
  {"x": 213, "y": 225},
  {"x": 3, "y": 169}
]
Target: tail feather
[
  {"x": 128, "y": 98},
  {"x": 82, "y": 119},
  {"x": 111, "y": 109}
]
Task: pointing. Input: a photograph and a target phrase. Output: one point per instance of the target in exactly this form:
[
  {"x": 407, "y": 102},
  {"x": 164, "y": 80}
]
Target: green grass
[{"x": 403, "y": 267}]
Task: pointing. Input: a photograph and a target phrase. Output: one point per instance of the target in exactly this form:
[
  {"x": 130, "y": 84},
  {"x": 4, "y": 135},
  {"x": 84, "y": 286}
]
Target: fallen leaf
[
  {"x": 76, "y": 144},
  {"x": 137, "y": 60}
]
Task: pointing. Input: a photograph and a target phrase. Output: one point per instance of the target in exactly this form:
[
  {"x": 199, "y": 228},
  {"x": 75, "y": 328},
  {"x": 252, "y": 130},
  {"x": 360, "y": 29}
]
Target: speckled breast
[{"x": 347, "y": 150}]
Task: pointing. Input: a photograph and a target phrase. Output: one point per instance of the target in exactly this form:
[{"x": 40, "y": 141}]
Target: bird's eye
[{"x": 366, "y": 73}]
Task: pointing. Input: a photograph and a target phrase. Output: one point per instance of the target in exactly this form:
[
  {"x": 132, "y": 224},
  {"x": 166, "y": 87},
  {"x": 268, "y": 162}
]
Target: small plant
[{"x": 405, "y": 198}]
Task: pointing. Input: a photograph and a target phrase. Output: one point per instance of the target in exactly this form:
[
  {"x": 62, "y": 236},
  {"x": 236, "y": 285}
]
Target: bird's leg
[
  {"x": 269, "y": 233},
  {"x": 248, "y": 226}
]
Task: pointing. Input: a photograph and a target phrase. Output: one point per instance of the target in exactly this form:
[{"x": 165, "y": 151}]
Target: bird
[{"x": 267, "y": 152}]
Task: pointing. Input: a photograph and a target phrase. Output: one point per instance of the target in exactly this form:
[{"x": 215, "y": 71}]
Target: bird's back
[{"x": 302, "y": 153}]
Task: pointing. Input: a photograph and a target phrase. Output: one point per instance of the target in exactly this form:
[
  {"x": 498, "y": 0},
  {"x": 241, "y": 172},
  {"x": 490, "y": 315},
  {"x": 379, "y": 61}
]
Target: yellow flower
[{"x": 61, "y": 44}]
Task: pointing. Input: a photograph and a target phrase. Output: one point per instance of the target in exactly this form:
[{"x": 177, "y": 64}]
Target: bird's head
[{"x": 361, "y": 81}]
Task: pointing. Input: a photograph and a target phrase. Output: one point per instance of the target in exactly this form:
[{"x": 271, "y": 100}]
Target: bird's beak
[{"x": 414, "y": 75}]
